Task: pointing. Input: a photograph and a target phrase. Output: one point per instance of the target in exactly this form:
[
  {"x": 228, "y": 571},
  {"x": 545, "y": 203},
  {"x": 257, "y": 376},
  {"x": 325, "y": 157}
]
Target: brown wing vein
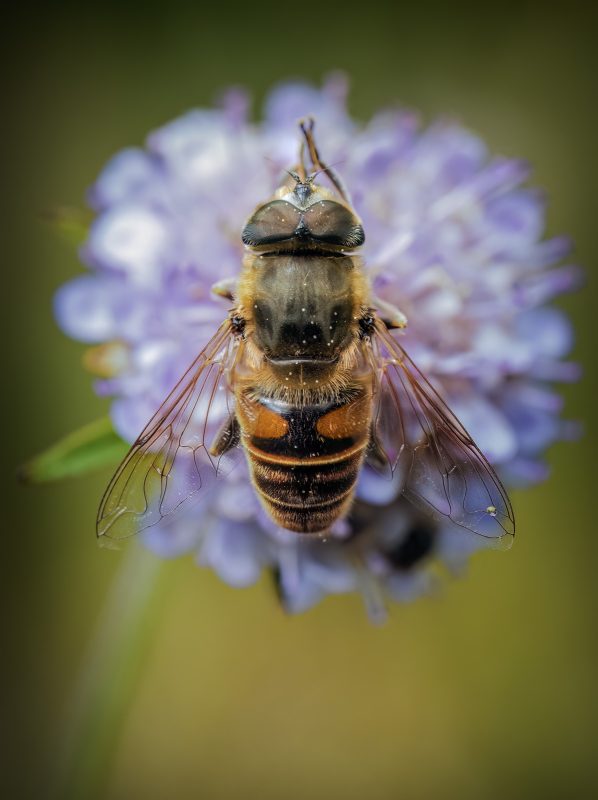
[
  {"x": 446, "y": 471},
  {"x": 157, "y": 476}
]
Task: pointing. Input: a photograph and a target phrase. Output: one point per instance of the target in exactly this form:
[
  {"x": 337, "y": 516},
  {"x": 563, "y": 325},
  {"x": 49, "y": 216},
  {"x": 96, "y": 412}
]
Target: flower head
[{"x": 454, "y": 238}]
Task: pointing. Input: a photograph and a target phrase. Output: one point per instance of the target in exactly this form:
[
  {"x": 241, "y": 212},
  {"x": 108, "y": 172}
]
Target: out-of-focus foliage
[{"x": 94, "y": 446}]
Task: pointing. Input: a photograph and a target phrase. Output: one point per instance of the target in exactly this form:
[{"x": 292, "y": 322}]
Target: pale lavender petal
[
  {"x": 376, "y": 488},
  {"x": 133, "y": 240},
  {"x": 173, "y": 540},
  {"x": 88, "y": 308},
  {"x": 236, "y": 552},
  {"x": 129, "y": 175},
  {"x": 516, "y": 217},
  {"x": 493, "y": 432},
  {"x": 549, "y": 331}
]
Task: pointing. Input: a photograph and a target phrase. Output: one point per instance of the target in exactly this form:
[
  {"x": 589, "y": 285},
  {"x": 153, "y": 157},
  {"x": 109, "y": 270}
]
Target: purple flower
[{"x": 454, "y": 238}]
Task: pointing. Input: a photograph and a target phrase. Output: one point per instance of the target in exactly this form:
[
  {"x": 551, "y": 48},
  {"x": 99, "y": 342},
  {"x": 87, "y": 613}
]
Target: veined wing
[
  {"x": 170, "y": 466},
  {"x": 441, "y": 467}
]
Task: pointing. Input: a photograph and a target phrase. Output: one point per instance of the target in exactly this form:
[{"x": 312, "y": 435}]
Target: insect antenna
[
  {"x": 314, "y": 175},
  {"x": 290, "y": 172},
  {"x": 307, "y": 128},
  {"x": 301, "y": 166}
]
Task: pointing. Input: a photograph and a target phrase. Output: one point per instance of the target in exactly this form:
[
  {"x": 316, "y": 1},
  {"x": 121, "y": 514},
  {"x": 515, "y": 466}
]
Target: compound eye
[
  {"x": 331, "y": 223},
  {"x": 272, "y": 223}
]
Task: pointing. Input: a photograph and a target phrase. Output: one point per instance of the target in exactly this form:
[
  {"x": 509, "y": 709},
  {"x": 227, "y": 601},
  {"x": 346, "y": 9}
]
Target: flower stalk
[{"x": 106, "y": 686}]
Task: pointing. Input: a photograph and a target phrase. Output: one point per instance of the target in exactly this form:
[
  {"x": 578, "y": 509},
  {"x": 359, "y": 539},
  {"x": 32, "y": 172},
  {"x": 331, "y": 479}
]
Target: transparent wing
[
  {"x": 440, "y": 467},
  {"x": 170, "y": 466}
]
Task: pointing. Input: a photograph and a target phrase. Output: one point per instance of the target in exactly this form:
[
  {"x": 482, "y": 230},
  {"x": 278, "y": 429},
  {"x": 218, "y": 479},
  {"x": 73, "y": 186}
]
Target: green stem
[{"x": 110, "y": 675}]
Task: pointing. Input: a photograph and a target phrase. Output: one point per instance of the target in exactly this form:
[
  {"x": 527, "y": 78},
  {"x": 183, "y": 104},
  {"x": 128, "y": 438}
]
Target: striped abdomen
[{"x": 304, "y": 461}]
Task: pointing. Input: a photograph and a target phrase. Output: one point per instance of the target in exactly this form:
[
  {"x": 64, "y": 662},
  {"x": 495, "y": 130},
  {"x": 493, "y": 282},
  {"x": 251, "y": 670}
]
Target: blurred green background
[{"x": 486, "y": 691}]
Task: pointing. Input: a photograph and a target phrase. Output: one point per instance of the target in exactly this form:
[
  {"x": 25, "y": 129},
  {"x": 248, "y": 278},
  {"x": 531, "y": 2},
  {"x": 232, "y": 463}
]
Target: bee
[{"x": 307, "y": 381}]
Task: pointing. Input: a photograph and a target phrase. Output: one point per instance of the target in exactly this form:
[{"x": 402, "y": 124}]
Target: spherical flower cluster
[{"x": 453, "y": 238}]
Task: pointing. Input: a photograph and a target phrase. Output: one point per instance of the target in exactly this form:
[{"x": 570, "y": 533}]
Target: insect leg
[
  {"x": 226, "y": 288},
  {"x": 301, "y": 165},
  {"x": 390, "y": 315},
  {"x": 375, "y": 455},
  {"x": 227, "y": 437}
]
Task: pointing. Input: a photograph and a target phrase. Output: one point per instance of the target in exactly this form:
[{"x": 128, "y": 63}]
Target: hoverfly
[{"x": 306, "y": 381}]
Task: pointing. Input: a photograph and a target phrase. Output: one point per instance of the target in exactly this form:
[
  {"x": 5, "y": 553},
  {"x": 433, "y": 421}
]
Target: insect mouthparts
[{"x": 303, "y": 191}]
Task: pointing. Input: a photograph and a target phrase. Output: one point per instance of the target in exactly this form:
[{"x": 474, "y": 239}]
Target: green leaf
[
  {"x": 91, "y": 447},
  {"x": 71, "y": 223}
]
